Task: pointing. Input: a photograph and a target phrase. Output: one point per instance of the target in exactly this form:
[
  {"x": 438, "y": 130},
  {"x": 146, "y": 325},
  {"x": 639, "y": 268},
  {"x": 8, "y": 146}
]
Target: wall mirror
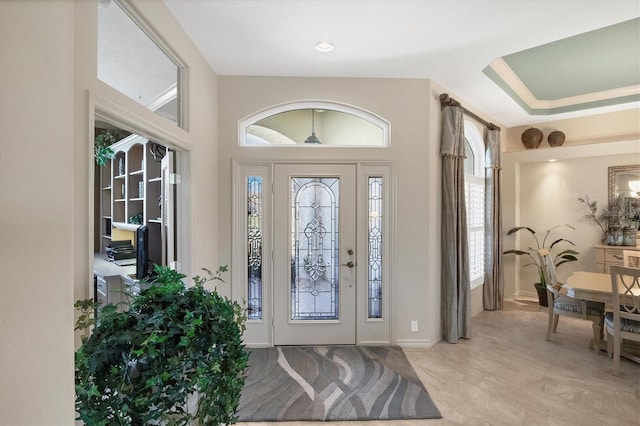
[
  {"x": 131, "y": 62},
  {"x": 319, "y": 123},
  {"x": 624, "y": 185}
]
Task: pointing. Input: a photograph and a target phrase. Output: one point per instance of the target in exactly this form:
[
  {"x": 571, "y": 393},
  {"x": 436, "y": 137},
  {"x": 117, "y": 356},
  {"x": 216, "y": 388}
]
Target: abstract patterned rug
[{"x": 293, "y": 383}]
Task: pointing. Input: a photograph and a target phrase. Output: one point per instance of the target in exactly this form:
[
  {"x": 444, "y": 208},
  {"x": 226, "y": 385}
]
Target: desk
[{"x": 112, "y": 281}]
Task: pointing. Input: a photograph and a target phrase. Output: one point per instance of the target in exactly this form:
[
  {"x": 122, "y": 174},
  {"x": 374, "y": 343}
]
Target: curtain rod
[{"x": 445, "y": 101}]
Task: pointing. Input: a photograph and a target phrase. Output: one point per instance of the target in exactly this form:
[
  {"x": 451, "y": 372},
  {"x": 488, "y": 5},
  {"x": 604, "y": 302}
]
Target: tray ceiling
[
  {"x": 450, "y": 42},
  {"x": 594, "y": 69}
]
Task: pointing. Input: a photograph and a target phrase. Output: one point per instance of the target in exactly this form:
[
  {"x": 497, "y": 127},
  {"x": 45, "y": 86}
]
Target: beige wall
[
  {"x": 47, "y": 81},
  {"x": 542, "y": 194},
  {"x": 36, "y": 220},
  {"x": 407, "y": 104}
]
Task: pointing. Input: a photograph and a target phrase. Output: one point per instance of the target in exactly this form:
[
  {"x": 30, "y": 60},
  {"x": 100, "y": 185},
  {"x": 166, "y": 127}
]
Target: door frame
[{"x": 259, "y": 332}]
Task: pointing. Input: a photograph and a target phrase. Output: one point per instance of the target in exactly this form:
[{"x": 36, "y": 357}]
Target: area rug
[{"x": 331, "y": 383}]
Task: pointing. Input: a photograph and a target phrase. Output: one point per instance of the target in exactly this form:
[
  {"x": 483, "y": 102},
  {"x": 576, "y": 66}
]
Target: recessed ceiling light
[
  {"x": 552, "y": 160},
  {"x": 324, "y": 47}
]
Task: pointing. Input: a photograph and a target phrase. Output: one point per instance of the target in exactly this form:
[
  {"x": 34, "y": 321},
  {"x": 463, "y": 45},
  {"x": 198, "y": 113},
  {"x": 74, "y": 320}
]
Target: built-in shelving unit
[{"x": 131, "y": 189}]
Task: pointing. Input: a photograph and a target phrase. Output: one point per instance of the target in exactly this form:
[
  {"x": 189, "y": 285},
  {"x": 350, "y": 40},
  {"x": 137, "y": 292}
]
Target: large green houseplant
[
  {"x": 172, "y": 355},
  {"x": 559, "y": 258}
]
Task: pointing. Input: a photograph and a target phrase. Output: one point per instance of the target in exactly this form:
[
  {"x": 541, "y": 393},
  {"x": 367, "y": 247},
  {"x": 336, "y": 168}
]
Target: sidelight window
[
  {"x": 374, "y": 254},
  {"x": 254, "y": 247}
]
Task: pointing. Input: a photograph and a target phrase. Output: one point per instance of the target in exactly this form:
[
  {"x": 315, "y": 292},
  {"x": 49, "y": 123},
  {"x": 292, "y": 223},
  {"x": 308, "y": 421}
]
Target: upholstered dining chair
[
  {"x": 560, "y": 304},
  {"x": 631, "y": 258},
  {"x": 624, "y": 322}
]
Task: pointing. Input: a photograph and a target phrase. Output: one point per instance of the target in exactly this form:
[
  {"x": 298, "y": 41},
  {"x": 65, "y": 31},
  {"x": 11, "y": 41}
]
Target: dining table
[
  {"x": 593, "y": 286},
  {"x": 596, "y": 286}
]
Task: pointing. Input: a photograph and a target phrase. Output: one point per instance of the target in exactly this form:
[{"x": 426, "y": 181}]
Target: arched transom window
[{"x": 314, "y": 124}]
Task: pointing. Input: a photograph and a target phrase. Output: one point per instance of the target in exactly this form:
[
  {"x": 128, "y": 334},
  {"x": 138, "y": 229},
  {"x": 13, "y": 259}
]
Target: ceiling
[{"x": 517, "y": 61}]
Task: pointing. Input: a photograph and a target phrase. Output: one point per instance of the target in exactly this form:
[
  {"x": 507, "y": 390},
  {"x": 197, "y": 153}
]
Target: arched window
[
  {"x": 314, "y": 124},
  {"x": 474, "y": 193}
]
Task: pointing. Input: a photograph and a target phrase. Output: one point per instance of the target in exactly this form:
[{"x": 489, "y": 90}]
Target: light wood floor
[{"x": 508, "y": 374}]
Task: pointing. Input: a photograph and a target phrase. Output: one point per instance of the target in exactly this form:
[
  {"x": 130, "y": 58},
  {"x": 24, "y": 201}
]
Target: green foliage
[
  {"x": 136, "y": 218},
  {"x": 141, "y": 363},
  {"x": 562, "y": 257},
  {"x": 101, "y": 144}
]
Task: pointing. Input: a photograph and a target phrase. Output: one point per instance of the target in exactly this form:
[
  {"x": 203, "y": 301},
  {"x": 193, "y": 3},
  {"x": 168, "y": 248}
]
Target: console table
[{"x": 607, "y": 256}]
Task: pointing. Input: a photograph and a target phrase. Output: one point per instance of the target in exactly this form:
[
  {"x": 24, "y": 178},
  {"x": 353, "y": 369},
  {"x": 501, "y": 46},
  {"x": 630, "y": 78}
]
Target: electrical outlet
[{"x": 414, "y": 326}]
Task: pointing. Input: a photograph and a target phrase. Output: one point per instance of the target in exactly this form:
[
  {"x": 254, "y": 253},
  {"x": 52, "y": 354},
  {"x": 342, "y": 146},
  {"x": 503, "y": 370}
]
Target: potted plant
[
  {"x": 606, "y": 218},
  {"x": 172, "y": 355},
  {"x": 104, "y": 138},
  {"x": 564, "y": 256}
]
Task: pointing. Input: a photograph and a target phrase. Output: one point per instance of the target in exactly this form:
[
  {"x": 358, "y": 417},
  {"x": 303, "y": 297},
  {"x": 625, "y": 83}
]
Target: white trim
[
  {"x": 374, "y": 343},
  {"x": 415, "y": 343},
  {"x": 511, "y": 79},
  {"x": 163, "y": 98},
  {"x": 363, "y": 114}
]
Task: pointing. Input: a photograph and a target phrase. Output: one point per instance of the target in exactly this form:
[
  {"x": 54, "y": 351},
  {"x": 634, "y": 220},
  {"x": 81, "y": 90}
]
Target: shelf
[
  {"x": 107, "y": 237},
  {"x": 126, "y": 226},
  {"x": 106, "y": 217},
  {"x": 137, "y": 172},
  {"x": 154, "y": 220},
  {"x": 106, "y": 188},
  {"x": 120, "y": 177},
  {"x": 119, "y": 200},
  {"x": 136, "y": 199},
  {"x": 155, "y": 179}
]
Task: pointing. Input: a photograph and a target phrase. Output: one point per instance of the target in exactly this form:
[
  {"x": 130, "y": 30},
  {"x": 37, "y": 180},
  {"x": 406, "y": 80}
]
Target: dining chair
[
  {"x": 631, "y": 258},
  {"x": 560, "y": 304},
  {"x": 624, "y": 322}
]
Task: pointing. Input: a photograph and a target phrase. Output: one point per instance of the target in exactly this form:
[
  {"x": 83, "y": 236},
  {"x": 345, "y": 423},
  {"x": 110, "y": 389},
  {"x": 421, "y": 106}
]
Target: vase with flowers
[{"x": 610, "y": 220}]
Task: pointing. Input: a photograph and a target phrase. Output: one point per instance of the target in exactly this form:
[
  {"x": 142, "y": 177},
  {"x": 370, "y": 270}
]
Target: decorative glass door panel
[{"x": 314, "y": 254}]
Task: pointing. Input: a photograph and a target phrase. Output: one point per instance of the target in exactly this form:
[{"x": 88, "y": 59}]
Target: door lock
[{"x": 349, "y": 264}]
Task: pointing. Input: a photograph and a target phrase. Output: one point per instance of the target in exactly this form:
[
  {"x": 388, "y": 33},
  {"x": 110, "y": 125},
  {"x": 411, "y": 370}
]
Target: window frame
[
  {"x": 384, "y": 125},
  {"x": 476, "y": 142}
]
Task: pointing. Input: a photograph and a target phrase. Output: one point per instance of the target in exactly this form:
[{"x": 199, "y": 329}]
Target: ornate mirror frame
[{"x": 614, "y": 184}]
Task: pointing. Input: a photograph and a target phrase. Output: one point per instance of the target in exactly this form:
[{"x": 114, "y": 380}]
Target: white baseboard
[
  {"x": 526, "y": 294},
  {"x": 374, "y": 343},
  {"x": 415, "y": 343}
]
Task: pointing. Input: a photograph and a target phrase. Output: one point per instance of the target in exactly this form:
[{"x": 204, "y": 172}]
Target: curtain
[
  {"x": 494, "y": 274},
  {"x": 455, "y": 281}
]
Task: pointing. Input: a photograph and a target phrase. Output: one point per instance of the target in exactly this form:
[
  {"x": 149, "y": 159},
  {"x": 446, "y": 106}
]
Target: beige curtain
[
  {"x": 494, "y": 274},
  {"x": 455, "y": 282}
]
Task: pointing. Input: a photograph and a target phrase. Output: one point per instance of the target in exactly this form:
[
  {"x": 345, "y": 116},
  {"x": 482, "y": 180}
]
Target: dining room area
[
  {"x": 611, "y": 301},
  {"x": 590, "y": 193}
]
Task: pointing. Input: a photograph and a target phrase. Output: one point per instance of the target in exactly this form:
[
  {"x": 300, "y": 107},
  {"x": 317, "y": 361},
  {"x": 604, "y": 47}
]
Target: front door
[{"x": 314, "y": 254}]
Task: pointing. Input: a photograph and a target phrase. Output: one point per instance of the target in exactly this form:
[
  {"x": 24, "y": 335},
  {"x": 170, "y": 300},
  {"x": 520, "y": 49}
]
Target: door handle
[{"x": 349, "y": 264}]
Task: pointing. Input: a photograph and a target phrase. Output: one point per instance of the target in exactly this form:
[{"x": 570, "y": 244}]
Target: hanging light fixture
[{"x": 313, "y": 138}]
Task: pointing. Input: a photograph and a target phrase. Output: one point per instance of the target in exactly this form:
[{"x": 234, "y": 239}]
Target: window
[
  {"x": 136, "y": 64},
  {"x": 254, "y": 246},
  {"x": 314, "y": 124},
  {"x": 375, "y": 247},
  {"x": 474, "y": 193}
]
